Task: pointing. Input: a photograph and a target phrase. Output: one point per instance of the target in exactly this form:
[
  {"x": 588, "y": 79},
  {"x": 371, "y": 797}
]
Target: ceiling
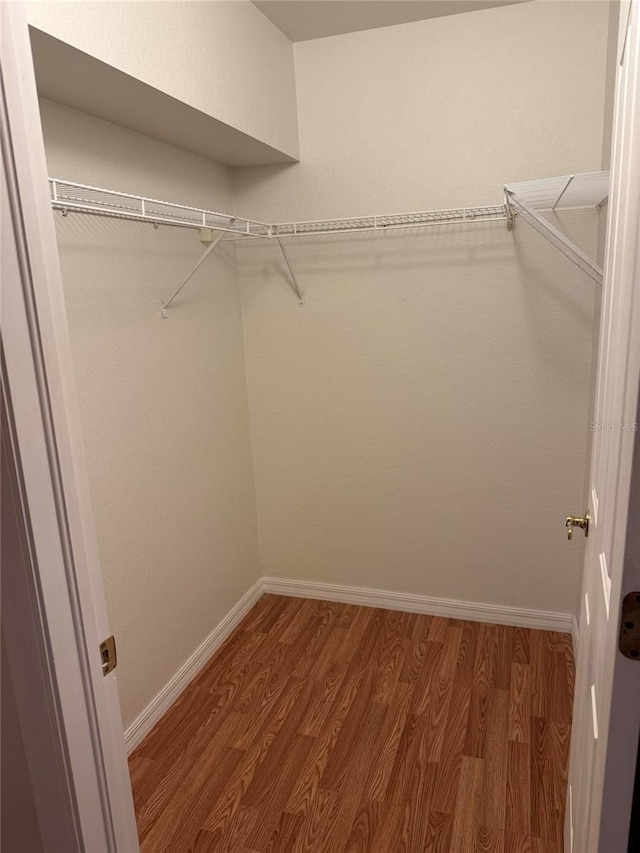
[{"x": 301, "y": 20}]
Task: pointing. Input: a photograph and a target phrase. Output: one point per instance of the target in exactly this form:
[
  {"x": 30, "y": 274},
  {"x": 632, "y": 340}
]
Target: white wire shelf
[
  {"x": 387, "y": 222},
  {"x": 535, "y": 200},
  {"x": 565, "y": 192},
  {"x": 68, "y": 196},
  {"x": 529, "y": 199}
]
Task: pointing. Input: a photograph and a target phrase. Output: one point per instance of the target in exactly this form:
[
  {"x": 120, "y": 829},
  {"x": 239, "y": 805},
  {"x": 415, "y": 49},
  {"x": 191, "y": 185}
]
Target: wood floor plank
[
  {"x": 504, "y": 657},
  {"x": 390, "y": 666},
  {"x": 180, "y": 823},
  {"x": 494, "y": 779},
  {"x": 169, "y": 794},
  {"x": 518, "y": 843},
  {"x": 521, "y": 645},
  {"x": 549, "y": 759},
  {"x": 439, "y": 625},
  {"x": 284, "y": 836},
  {"x": 441, "y": 693},
  {"x": 446, "y": 790},
  {"x": 302, "y": 657},
  {"x": 427, "y": 674},
  {"x": 560, "y": 688},
  {"x": 327, "y": 653},
  {"x": 364, "y": 828},
  {"x": 416, "y": 649},
  {"x": 238, "y": 782},
  {"x": 327, "y": 693},
  {"x": 409, "y": 796},
  {"x": 332, "y": 728},
  {"x": 490, "y": 840},
  {"x": 231, "y": 838},
  {"x": 308, "y": 782},
  {"x": 541, "y": 666},
  {"x": 350, "y": 785},
  {"x": 267, "y": 607},
  {"x": 520, "y": 703},
  {"x": 386, "y": 749},
  {"x": 518, "y": 800},
  {"x": 350, "y": 733},
  {"x": 322, "y": 814},
  {"x": 483, "y": 679},
  {"x": 264, "y": 682},
  {"x": 439, "y": 831},
  {"x": 468, "y": 806},
  {"x": 468, "y": 643},
  {"x": 271, "y": 786}
]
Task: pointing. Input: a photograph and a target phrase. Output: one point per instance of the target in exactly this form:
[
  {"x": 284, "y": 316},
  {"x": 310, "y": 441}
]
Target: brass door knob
[{"x": 577, "y": 521}]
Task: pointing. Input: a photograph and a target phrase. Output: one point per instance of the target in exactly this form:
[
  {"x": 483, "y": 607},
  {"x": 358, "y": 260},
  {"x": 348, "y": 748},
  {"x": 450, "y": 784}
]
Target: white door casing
[
  {"x": 605, "y": 721},
  {"x": 53, "y": 606}
]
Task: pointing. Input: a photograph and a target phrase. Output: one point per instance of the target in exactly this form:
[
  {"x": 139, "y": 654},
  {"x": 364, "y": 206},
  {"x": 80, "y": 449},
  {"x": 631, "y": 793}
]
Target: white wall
[
  {"x": 224, "y": 58},
  {"x": 164, "y": 402},
  {"x": 421, "y": 425},
  {"x": 440, "y": 113}
]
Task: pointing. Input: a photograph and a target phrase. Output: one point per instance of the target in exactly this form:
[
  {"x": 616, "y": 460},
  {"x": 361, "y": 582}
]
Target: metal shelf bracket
[
  {"x": 554, "y": 236},
  {"x": 508, "y": 212},
  {"x": 292, "y": 272},
  {"x": 203, "y": 257}
]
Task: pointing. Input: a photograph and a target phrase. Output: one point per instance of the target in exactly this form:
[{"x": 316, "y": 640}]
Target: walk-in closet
[{"x": 333, "y": 285}]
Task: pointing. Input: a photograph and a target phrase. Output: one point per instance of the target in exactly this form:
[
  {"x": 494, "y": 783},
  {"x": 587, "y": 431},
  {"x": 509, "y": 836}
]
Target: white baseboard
[
  {"x": 474, "y": 611},
  {"x": 499, "y": 614},
  {"x": 143, "y": 724}
]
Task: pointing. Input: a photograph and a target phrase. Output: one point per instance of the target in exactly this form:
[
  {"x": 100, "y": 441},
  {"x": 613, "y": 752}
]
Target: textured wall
[
  {"x": 164, "y": 402},
  {"x": 224, "y": 58},
  {"x": 421, "y": 425},
  {"x": 440, "y": 113}
]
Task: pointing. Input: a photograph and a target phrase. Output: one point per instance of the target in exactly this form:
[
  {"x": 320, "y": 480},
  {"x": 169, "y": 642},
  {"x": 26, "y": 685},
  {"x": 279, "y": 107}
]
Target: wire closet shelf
[
  {"x": 532, "y": 200},
  {"x": 564, "y": 192},
  {"x": 538, "y": 203},
  {"x": 69, "y": 196}
]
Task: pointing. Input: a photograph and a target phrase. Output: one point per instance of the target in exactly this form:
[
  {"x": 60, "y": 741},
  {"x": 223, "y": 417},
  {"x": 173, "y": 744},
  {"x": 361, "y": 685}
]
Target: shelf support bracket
[
  {"x": 292, "y": 272},
  {"x": 556, "y": 237},
  {"x": 508, "y": 212},
  {"x": 564, "y": 189},
  {"x": 203, "y": 257}
]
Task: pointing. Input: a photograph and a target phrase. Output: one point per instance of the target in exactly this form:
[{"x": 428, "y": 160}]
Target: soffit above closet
[
  {"x": 302, "y": 20},
  {"x": 71, "y": 77}
]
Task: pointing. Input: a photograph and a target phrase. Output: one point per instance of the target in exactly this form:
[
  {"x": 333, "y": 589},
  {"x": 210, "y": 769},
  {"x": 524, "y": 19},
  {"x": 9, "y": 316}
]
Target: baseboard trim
[
  {"x": 474, "y": 611},
  {"x": 143, "y": 724}
]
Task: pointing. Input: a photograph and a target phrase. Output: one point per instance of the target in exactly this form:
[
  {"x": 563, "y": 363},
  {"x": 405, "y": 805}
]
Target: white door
[
  {"x": 607, "y": 691},
  {"x": 53, "y": 607}
]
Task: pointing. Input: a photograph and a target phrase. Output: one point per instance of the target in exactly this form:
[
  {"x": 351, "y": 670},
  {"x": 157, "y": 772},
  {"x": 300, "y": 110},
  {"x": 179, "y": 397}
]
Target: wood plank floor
[{"x": 340, "y": 729}]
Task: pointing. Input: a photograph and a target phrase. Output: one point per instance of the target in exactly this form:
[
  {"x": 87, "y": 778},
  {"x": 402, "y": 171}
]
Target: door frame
[
  {"x": 53, "y": 608},
  {"x": 615, "y": 778},
  {"x": 616, "y": 500},
  {"x": 52, "y": 601}
]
